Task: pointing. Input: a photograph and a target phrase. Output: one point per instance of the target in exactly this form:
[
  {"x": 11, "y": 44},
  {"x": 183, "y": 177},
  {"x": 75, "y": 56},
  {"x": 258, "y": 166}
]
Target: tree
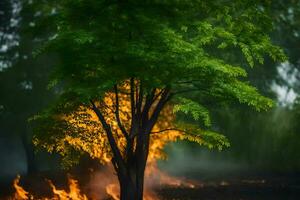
[
  {"x": 23, "y": 80},
  {"x": 166, "y": 52}
]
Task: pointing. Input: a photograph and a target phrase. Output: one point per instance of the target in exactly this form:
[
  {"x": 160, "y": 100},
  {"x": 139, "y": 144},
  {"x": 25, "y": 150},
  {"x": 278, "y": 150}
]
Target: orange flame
[
  {"x": 113, "y": 191},
  {"x": 74, "y": 191},
  {"x": 106, "y": 182},
  {"x": 90, "y": 137},
  {"x": 85, "y": 133},
  {"x": 20, "y": 193},
  {"x": 154, "y": 179}
]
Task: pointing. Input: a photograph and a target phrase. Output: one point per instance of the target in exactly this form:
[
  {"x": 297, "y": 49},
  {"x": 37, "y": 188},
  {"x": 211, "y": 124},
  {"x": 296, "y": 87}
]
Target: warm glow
[
  {"x": 85, "y": 133},
  {"x": 74, "y": 191},
  {"x": 113, "y": 190},
  {"x": 20, "y": 193}
]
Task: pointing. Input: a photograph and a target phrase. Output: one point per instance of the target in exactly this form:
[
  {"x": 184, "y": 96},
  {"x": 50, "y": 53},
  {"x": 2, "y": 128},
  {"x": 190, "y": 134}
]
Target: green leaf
[{"x": 194, "y": 109}]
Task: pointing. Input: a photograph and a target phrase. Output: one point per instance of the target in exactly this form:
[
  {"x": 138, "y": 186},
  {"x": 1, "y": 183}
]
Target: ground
[
  {"x": 238, "y": 190},
  {"x": 254, "y": 187}
]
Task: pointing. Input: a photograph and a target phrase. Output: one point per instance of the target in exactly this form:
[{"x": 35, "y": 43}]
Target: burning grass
[
  {"x": 80, "y": 132},
  {"x": 102, "y": 185},
  {"x": 73, "y": 192},
  {"x": 249, "y": 188}
]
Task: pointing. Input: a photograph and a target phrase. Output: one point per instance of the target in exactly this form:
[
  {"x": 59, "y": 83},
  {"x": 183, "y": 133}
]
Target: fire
[
  {"x": 159, "y": 178},
  {"x": 20, "y": 193},
  {"x": 84, "y": 133},
  {"x": 74, "y": 191},
  {"x": 107, "y": 182},
  {"x": 104, "y": 182},
  {"x": 113, "y": 190}
]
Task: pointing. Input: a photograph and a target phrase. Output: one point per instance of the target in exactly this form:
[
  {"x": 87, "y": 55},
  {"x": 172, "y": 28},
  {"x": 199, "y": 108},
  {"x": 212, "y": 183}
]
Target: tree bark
[
  {"x": 130, "y": 167},
  {"x": 131, "y": 184},
  {"x": 128, "y": 190}
]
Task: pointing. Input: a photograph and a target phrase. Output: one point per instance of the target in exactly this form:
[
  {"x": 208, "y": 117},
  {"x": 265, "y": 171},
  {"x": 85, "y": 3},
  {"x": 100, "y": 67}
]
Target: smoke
[
  {"x": 266, "y": 142},
  {"x": 196, "y": 162},
  {"x": 99, "y": 180},
  {"x": 103, "y": 183}
]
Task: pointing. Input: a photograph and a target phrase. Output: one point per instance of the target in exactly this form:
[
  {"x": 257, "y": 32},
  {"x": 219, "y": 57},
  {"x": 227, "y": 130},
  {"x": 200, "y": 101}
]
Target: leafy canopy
[{"x": 186, "y": 46}]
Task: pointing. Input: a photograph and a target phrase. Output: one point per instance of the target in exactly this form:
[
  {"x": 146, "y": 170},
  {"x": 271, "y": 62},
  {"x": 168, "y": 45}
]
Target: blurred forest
[{"x": 267, "y": 141}]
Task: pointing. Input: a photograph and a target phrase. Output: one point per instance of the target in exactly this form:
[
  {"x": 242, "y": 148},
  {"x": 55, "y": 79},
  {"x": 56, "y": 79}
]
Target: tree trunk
[
  {"x": 131, "y": 167},
  {"x": 131, "y": 186},
  {"x": 127, "y": 190},
  {"x": 132, "y": 183}
]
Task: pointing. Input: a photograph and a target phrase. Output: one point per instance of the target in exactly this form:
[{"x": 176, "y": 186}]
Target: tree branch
[
  {"x": 132, "y": 103},
  {"x": 139, "y": 100},
  {"x": 117, "y": 113},
  {"x": 157, "y": 95},
  {"x": 168, "y": 129},
  {"x": 185, "y": 91},
  {"x": 165, "y": 97},
  {"x": 117, "y": 157},
  {"x": 148, "y": 103}
]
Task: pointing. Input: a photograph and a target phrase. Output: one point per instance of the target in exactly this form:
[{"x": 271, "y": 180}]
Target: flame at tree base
[
  {"x": 105, "y": 181},
  {"x": 103, "y": 185}
]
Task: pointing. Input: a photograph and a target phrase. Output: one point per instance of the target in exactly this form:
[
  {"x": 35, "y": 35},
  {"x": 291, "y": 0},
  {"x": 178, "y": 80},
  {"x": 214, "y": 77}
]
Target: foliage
[
  {"x": 175, "y": 48},
  {"x": 188, "y": 106},
  {"x": 80, "y": 132}
]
